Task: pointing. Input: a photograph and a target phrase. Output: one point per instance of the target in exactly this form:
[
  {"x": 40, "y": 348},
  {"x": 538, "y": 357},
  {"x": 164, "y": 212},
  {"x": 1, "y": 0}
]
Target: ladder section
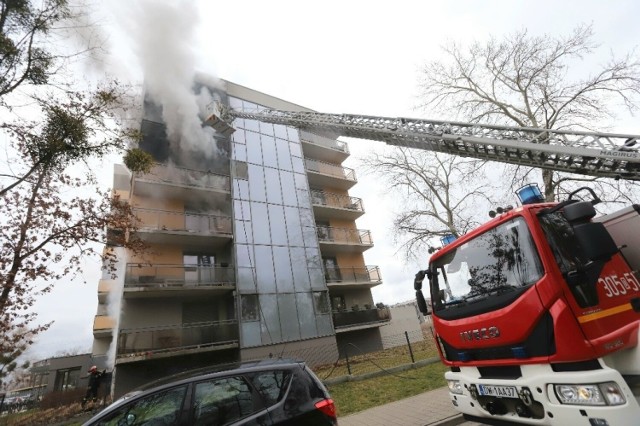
[{"x": 586, "y": 153}]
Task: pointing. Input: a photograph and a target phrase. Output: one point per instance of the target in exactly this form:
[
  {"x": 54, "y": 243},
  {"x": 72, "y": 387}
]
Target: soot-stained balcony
[
  {"x": 181, "y": 183},
  {"x": 192, "y": 230}
]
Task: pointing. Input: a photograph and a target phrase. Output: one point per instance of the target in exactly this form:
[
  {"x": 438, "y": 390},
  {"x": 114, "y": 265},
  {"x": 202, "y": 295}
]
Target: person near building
[{"x": 94, "y": 384}]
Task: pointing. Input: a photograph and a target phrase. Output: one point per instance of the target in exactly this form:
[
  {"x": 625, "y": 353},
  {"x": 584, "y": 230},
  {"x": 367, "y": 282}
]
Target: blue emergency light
[
  {"x": 530, "y": 194},
  {"x": 447, "y": 239}
]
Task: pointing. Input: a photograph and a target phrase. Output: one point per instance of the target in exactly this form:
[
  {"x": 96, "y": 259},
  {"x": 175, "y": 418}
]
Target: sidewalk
[{"x": 429, "y": 408}]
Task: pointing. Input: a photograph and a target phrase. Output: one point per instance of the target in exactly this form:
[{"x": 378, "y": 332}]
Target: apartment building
[{"x": 253, "y": 251}]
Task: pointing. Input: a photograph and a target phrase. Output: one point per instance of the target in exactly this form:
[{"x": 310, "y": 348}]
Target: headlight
[
  {"x": 455, "y": 386},
  {"x": 590, "y": 394}
]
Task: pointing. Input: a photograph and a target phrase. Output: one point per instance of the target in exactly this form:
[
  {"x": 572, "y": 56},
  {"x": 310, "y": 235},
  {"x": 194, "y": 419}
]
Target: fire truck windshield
[{"x": 502, "y": 260}]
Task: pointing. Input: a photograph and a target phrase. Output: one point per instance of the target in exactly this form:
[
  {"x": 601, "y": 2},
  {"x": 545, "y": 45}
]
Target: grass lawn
[{"x": 351, "y": 397}]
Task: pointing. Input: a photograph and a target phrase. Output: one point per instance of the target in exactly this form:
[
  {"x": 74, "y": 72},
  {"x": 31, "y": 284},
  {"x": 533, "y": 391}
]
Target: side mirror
[{"x": 422, "y": 304}]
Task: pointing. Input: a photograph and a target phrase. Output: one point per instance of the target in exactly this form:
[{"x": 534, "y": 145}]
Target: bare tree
[
  {"x": 441, "y": 195},
  {"x": 536, "y": 82}
]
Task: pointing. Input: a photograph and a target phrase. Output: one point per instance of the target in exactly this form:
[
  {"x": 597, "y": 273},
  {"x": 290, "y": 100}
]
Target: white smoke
[
  {"x": 162, "y": 33},
  {"x": 115, "y": 301}
]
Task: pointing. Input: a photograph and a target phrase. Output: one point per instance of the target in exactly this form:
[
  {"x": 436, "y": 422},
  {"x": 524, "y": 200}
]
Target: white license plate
[{"x": 498, "y": 391}]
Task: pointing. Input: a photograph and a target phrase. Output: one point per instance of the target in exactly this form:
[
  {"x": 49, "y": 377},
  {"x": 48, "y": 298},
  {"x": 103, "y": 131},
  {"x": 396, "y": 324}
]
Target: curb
[{"x": 449, "y": 421}]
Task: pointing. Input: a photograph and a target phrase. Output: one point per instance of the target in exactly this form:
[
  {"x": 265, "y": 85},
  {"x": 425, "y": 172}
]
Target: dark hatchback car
[{"x": 269, "y": 392}]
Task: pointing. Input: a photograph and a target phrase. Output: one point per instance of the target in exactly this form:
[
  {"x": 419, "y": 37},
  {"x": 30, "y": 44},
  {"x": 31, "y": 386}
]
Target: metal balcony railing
[
  {"x": 368, "y": 274},
  {"x": 186, "y": 177},
  {"x": 330, "y": 199},
  {"x": 360, "y": 317},
  {"x": 166, "y": 339},
  {"x": 162, "y": 220},
  {"x": 168, "y": 276},
  {"x": 323, "y": 141},
  {"x": 330, "y": 169},
  {"x": 344, "y": 235}
]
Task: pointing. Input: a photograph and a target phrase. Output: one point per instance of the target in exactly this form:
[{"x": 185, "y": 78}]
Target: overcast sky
[{"x": 360, "y": 57}]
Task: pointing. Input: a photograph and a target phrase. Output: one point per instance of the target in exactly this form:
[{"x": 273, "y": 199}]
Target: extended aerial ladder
[{"x": 586, "y": 153}]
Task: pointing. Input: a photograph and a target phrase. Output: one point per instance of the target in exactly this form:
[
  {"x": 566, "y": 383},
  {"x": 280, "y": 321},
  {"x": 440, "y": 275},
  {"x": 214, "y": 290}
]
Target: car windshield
[{"x": 501, "y": 260}]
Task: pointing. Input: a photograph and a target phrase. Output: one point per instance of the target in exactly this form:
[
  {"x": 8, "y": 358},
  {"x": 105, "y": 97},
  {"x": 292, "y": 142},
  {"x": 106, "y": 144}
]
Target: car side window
[
  {"x": 222, "y": 401},
  {"x": 271, "y": 384},
  {"x": 158, "y": 409}
]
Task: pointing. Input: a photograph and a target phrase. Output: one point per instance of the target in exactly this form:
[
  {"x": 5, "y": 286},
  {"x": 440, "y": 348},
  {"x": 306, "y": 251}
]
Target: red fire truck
[{"x": 537, "y": 314}]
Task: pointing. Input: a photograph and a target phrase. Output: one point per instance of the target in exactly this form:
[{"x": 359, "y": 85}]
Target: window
[
  {"x": 223, "y": 401},
  {"x": 271, "y": 385},
  {"x": 249, "y": 307},
  {"x": 161, "y": 408},
  {"x": 321, "y": 302},
  {"x": 67, "y": 379}
]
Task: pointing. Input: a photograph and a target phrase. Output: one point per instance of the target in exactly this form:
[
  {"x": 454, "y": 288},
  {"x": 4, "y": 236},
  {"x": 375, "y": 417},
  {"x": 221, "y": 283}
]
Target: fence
[{"x": 402, "y": 349}]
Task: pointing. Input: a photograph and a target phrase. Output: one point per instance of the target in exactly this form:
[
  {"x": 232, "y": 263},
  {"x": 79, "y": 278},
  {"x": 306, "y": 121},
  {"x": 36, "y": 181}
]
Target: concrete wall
[
  {"x": 319, "y": 351},
  {"x": 359, "y": 342},
  {"x": 403, "y": 318}
]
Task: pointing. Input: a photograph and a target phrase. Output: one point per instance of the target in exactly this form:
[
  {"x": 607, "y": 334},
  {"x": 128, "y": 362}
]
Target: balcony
[
  {"x": 322, "y": 148},
  {"x": 329, "y": 175},
  {"x": 181, "y": 183},
  {"x": 343, "y": 240},
  {"x": 146, "y": 280},
  {"x": 187, "y": 229},
  {"x": 104, "y": 288},
  {"x": 351, "y": 278},
  {"x": 327, "y": 205},
  {"x": 357, "y": 320},
  {"x": 158, "y": 342},
  {"x": 103, "y": 326}
]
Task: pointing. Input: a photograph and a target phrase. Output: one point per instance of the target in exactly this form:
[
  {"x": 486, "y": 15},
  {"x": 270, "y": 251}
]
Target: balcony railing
[
  {"x": 344, "y": 235},
  {"x": 368, "y": 274},
  {"x": 186, "y": 177},
  {"x": 161, "y": 220},
  {"x": 185, "y": 276},
  {"x": 330, "y": 199},
  {"x": 330, "y": 169},
  {"x": 360, "y": 317},
  {"x": 166, "y": 339},
  {"x": 324, "y": 142}
]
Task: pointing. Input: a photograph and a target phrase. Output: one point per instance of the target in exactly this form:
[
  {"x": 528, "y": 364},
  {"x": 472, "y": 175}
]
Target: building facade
[{"x": 253, "y": 251}]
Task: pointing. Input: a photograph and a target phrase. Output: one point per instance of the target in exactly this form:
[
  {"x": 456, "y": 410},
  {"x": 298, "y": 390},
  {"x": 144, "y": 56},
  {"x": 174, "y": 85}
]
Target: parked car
[{"x": 268, "y": 392}]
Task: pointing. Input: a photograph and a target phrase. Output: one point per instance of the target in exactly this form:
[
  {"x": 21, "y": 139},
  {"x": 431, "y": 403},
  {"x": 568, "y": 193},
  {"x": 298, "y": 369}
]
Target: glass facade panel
[
  {"x": 288, "y": 316},
  {"x": 239, "y": 135},
  {"x": 241, "y": 189},
  {"x": 294, "y": 136},
  {"x": 294, "y": 231},
  {"x": 273, "y": 186},
  {"x": 309, "y": 234},
  {"x": 325, "y": 327},
  {"x": 300, "y": 270},
  {"x": 278, "y": 225},
  {"x": 254, "y": 152},
  {"x": 295, "y": 150},
  {"x": 264, "y": 270},
  {"x": 256, "y": 183},
  {"x": 284, "y": 159},
  {"x": 288, "y": 189},
  {"x": 282, "y": 263},
  {"x": 252, "y": 125},
  {"x": 260, "y": 223},
  {"x": 298, "y": 164},
  {"x": 301, "y": 181},
  {"x": 269, "y": 156},
  {"x": 251, "y": 334},
  {"x": 266, "y": 128},
  {"x": 280, "y": 131},
  {"x": 270, "y": 329},
  {"x": 239, "y": 152},
  {"x": 306, "y": 315}
]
